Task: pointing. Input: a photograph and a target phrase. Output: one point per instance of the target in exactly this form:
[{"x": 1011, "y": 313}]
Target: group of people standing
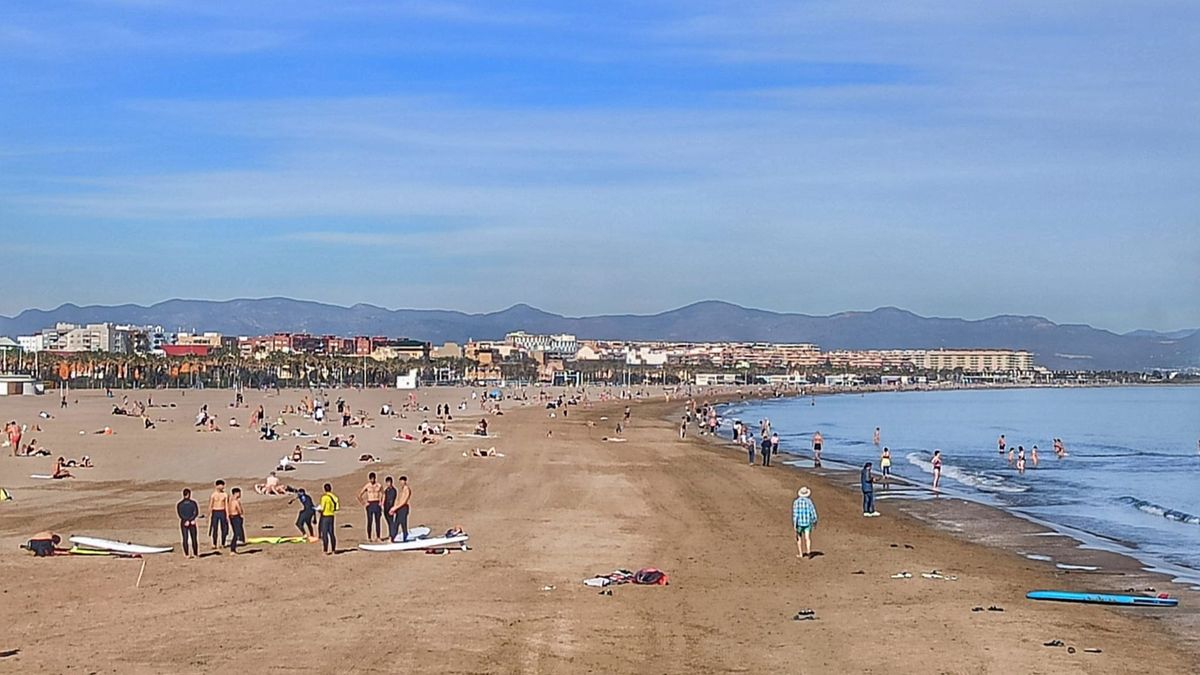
[
  {"x": 388, "y": 502},
  {"x": 227, "y": 518}
]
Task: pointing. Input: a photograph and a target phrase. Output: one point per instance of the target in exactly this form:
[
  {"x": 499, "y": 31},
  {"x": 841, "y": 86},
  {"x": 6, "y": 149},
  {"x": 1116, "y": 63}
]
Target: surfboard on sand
[
  {"x": 97, "y": 544},
  {"x": 41, "y": 476},
  {"x": 277, "y": 540},
  {"x": 417, "y": 545},
  {"x": 414, "y": 534},
  {"x": 1103, "y": 598}
]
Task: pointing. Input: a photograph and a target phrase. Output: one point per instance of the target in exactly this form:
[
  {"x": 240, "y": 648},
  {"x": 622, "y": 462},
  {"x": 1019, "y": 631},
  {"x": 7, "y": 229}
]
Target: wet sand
[{"x": 551, "y": 512}]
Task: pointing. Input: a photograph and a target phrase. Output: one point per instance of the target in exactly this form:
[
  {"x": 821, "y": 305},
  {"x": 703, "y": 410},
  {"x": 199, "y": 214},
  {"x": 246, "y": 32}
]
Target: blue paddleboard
[{"x": 1103, "y": 598}]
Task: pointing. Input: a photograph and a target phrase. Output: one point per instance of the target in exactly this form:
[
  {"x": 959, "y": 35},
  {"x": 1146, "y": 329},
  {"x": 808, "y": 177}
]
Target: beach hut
[{"x": 20, "y": 385}]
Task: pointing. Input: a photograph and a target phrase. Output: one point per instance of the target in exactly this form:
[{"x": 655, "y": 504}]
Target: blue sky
[{"x": 955, "y": 159}]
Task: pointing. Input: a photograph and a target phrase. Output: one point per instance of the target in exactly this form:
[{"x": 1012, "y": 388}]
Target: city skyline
[{"x": 1024, "y": 159}]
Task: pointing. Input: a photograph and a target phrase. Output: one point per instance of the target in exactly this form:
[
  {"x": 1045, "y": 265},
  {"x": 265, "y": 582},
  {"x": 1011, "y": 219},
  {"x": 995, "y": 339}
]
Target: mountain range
[{"x": 1056, "y": 346}]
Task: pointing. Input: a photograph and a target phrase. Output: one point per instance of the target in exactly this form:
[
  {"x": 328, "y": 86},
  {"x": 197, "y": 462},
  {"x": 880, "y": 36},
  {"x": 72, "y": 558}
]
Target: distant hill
[{"x": 1057, "y": 346}]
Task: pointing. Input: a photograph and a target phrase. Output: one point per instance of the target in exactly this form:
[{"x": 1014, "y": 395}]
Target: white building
[
  {"x": 32, "y": 343},
  {"x": 562, "y": 344}
]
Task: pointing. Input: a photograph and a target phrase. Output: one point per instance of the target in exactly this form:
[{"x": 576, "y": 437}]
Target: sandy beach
[{"x": 560, "y": 506}]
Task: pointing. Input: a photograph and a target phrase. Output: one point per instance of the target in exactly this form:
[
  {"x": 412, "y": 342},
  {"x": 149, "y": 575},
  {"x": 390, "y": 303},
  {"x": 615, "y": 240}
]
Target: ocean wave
[
  {"x": 977, "y": 480},
  {"x": 1158, "y": 510}
]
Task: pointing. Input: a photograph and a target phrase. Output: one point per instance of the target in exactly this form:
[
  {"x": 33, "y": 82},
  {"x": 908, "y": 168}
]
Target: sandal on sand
[
  {"x": 806, "y": 612},
  {"x": 976, "y": 609},
  {"x": 1053, "y": 643},
  {"x": 994, "y": 608},
  {"x": 859, "y": 572},
  {"x": 1070, "y": 650},
  {"x": 1093, "y": 650}
]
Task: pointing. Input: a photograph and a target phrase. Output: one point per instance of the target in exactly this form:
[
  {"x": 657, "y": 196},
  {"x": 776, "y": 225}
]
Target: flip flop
[
  {"x": 994, "y": 608},
  {"x": 976, "y": 609},
  {"x": 1093, "y": 650},
  {"x": 1053, "y": 643}
]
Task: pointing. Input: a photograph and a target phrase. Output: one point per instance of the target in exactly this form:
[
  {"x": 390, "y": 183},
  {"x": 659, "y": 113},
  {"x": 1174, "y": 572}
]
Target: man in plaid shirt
[{"x": 804, "y": 519}]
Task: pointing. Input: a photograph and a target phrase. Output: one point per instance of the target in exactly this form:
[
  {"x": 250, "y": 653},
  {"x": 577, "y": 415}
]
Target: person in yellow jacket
[{"x": 325, "y": 526}]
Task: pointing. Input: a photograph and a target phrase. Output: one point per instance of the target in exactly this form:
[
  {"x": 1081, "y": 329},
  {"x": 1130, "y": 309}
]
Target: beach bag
[{"x": 649, "y": 576}]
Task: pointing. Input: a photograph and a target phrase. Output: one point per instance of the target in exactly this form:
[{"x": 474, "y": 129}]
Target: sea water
[{"x": 1131, "y": 476}]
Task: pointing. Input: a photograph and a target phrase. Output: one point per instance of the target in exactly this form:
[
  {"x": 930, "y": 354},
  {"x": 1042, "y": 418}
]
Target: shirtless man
[
  {"x": 271, "y": 487},
  {"x": 371, "y": 496},
  {"x": 236, "y": 519},
  {"x": 400, "y": 511},
  {"x": 1000, "y": 443},
  {"x": 218, "y": 503},
  {"x": 818, "y": 440}
]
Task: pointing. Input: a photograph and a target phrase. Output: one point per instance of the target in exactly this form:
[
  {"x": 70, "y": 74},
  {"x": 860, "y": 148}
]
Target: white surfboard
[
  {"x": 118, "y": 546},
  {"x": 413, "y": 534},
  {"x": 418, "y": 545}
]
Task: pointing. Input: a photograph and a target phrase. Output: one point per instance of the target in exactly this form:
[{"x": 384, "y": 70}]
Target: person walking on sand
[
  {"x": 748, "y": 441},
  {"x": 885, "y": 465},
  {"x": 766, "y": 451},
  {"x": 237, "y": 517},
  {"x": 218, "y": 502},
  {"x": 937, "y": 468},
  {"x": 371, "y": 496},
  {"x": 326, "y": 526},
  {"x": 867, "y": 481},
  {"x": 804, "y": 519},
  {"x": 188, "y": 511},
  {"x": 389, "y": 500},
  {"x": 817, "y": 441},
  {"x": 400, "y": 511}
]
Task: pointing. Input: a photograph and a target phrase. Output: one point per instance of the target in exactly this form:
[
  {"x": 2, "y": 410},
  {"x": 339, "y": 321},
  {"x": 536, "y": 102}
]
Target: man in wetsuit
[
  {"x": 218, "y": 501},
  {"x": 371, "y": 496},
  {"x": 308, "y": 513},
  {"x": 188, "y": 511},
  {"x": 389, "y": 500}
]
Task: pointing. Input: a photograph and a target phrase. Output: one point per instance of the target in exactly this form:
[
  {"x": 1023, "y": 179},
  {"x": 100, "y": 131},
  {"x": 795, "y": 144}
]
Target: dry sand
[{"x": 552, "y": 511}]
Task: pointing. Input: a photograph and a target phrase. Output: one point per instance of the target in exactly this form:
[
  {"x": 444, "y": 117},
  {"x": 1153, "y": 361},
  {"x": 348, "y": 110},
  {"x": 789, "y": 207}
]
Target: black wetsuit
[
  {"x": 188, "y": 512},
  {"x": 389, "y": 500}
]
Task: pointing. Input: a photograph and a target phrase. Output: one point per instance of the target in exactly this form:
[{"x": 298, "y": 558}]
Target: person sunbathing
[
  {"x": 60, "y": 470},
  {"x": 368, "y": 458},
  {"x": 485, "y": 452},
  {"x": 401, "y": 436},
  {"x": 297, "y": 454},
  {"x": 106, "y": 431},
  {"x": 84, "y": 462}
]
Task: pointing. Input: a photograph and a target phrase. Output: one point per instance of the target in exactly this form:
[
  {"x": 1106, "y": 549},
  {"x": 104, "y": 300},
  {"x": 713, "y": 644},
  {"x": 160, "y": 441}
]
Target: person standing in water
[
  {"x": 218, "y": 501},
  {"x": 885, "y": 465},
  {"x": 875, "y": 438},
  {"x": 188, "y": 511},
  {"x": 1033, "y": 456},
  {"x": 1001, "y": 443},
  {"x": 937, "y": 468},
  {"x": 817, "y": 441},
  {"x": 1020, "y": 459},
  {"x": 1012, "y": 458}
]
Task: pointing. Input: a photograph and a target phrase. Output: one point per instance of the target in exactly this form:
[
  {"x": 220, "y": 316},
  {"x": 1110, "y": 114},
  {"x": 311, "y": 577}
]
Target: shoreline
[{"x": 1058, "y": 549}]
